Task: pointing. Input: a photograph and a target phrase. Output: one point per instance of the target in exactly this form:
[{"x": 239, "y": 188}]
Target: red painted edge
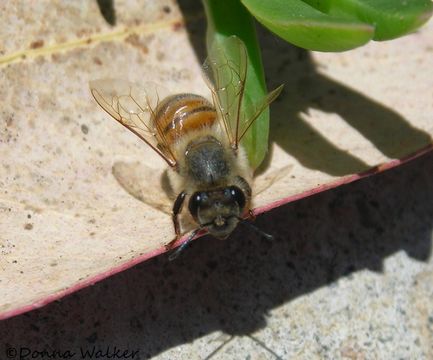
[{"x": 94, "y": 279}]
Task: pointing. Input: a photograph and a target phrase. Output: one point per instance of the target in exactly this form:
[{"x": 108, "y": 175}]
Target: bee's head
[{"x": 218, "y": 210}]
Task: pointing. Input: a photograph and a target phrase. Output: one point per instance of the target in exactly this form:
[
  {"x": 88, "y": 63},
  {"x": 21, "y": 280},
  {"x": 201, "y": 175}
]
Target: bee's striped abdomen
[{"x": 179, "y": 114}]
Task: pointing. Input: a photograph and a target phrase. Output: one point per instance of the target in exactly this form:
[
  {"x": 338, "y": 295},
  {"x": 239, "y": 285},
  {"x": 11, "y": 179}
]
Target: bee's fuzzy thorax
[{"x": 237, "y": 160}]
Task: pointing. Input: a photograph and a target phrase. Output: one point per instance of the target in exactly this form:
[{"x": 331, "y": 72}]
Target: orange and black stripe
[{"x": 178, "y": 114}]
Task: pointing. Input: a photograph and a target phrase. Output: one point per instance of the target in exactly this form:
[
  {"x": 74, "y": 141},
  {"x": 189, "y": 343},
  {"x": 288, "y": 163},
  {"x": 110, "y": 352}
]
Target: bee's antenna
[{"x": 255, "y": 228}]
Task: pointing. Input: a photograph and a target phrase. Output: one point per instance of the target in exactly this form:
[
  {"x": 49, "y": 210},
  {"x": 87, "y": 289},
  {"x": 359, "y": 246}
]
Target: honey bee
[{"x": 199, "y": 139}]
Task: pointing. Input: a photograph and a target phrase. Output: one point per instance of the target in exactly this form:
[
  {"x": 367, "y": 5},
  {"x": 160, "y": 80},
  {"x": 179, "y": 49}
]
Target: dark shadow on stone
[
  {"x": 106, "y": 7},
  {"x": 232, "y": 285},
  {"x": 195, "y": 22},
  {"x": 392, "y": 135}
]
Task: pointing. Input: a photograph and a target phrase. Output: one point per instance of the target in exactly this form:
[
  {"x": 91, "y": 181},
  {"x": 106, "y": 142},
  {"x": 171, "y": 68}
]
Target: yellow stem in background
[{"x": 91, "y": 40}]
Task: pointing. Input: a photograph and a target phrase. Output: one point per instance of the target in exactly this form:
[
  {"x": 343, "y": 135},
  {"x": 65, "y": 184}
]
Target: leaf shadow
[
  {"x": 107, "y": 10},
  {"x": 305, "y": 89}
]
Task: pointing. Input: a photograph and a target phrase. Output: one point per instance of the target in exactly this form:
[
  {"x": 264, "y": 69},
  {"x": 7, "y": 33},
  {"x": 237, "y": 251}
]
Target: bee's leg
[
  {"x": 176, "y": 252},
  {"x": 177, "y": 208}
]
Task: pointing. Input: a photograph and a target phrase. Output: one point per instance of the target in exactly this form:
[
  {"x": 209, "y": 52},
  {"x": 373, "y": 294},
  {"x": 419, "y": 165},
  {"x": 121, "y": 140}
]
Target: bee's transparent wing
[
  {"x": 152, "y": 187},
  {"x": 225, "y": 71},
  {"x": 252, "y": 110},
  {"x": 134, "y": 108},
  {"x": 144, "y": 183}
]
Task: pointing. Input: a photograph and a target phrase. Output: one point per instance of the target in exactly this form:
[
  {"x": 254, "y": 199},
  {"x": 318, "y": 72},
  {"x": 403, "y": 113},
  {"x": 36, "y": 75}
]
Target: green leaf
[
  {"x": 227, "y": 18},
  {"x": 305, "y": 26},
  {"x": 391, "y": 18},
  {"x": 336, "y": 25}
]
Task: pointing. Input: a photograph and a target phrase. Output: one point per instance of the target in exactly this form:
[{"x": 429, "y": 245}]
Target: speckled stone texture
[{"x": 348, "y": 276}]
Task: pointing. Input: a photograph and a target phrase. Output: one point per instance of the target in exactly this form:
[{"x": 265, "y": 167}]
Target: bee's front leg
[{"x": 177, "y": 208}]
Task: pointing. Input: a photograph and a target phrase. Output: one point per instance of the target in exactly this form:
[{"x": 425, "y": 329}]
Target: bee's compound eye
[
  {"x": 237, "y": 195},
  {"x": 194, "y": 202}
]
